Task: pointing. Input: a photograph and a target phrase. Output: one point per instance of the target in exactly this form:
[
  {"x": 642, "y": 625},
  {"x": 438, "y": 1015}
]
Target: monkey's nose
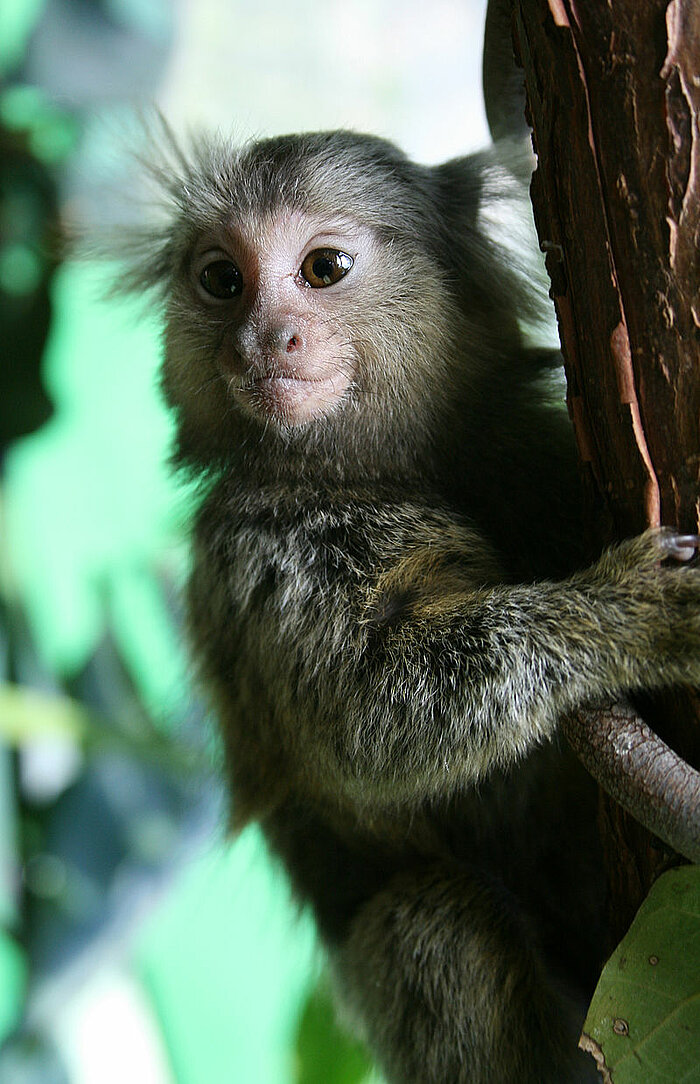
[{"x": 288, "y": 339}]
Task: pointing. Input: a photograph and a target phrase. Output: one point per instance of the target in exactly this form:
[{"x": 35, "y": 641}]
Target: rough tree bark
[{"x": 613, "y": 89}]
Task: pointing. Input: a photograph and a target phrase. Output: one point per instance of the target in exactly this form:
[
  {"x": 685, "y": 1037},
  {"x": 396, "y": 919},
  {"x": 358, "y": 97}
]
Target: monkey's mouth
[{"x": 291, "y": 398}]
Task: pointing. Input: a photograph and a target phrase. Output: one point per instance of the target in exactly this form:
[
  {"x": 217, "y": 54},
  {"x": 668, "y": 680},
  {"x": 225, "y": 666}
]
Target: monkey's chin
[{"x": 292, "y": 401}]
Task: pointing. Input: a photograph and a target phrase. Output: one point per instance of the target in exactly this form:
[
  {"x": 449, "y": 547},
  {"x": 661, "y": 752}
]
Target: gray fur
[{"x": 391, "y": 608}]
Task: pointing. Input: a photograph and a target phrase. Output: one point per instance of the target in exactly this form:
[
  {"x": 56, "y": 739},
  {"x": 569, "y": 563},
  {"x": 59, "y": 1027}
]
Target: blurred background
[{"x": 136, "y": 942}]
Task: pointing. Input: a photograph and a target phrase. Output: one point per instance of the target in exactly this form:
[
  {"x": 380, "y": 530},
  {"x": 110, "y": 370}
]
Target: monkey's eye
[
  {"x": 324, "y": 266},
  {"x": 222, "y": 279}
]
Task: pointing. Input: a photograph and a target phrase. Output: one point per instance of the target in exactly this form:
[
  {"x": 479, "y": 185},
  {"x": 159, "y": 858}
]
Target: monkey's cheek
[{"x": 291, "y": 401}]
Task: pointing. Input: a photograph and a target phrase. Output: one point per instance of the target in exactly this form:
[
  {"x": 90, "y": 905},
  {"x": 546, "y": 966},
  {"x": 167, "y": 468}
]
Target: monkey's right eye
[{"x": 222, "y": 280}]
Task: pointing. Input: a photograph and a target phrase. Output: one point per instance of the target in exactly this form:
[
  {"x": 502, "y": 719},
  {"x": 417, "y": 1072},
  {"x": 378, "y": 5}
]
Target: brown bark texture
[{"x": 613, "y": 90}]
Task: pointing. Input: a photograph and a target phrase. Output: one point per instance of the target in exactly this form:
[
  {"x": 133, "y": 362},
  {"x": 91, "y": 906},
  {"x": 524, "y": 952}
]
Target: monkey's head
[{"x": 315, "y": 290}]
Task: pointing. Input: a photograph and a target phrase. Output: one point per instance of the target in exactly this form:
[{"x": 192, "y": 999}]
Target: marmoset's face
[{"x": 278, "y": 296}]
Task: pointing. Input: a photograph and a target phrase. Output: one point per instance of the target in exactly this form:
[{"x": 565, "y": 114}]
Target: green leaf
[
  {"x": 325, "y": 1054},
  {"x": 644, "y": 1018}
]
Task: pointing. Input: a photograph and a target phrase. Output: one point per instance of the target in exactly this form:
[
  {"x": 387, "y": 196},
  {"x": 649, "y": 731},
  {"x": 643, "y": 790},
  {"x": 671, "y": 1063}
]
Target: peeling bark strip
[
  {"x": 646, "y": 777},
  {"x": 622, "y": 360},
  {"x": 681, "y": 71},
  {"x": 613, "y": 90}
]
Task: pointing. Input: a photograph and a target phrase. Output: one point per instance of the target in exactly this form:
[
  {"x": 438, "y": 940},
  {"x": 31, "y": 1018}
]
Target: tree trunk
[{"x": 613, "y": 89}]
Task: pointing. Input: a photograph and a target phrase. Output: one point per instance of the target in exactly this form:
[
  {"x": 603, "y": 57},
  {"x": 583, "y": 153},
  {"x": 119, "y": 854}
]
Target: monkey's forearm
[
  {"x": 453, "y": 698},
  {"x": 433, "y": 686}
]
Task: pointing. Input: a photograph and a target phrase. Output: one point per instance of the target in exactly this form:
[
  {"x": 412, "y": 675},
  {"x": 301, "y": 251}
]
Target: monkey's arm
[
  {"x": 424, "y": 677},
  {"x": 443, "y": 685}
]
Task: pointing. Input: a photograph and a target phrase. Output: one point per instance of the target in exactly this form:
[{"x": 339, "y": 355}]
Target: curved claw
[{"x": 681, "y": 547}]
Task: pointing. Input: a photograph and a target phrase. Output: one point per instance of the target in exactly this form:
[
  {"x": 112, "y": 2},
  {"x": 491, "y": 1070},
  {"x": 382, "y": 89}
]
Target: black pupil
[
  {"x": 222, "y": 279},
  {"x": 323, "y": 268}
]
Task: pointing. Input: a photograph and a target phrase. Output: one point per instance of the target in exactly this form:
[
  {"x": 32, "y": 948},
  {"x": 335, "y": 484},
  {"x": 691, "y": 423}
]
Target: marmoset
[{"x": 389, "y": 598}]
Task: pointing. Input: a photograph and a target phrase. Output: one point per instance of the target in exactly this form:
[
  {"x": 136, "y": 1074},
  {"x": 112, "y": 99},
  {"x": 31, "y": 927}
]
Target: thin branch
[{"x": 640, "y": 772}]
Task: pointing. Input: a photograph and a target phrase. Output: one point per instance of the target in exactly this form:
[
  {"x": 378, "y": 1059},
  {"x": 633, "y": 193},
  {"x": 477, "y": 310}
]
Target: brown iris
[{"x": 325, "y": 266}]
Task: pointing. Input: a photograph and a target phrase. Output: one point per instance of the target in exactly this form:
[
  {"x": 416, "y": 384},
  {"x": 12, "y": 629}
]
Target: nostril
[{"x": 285, "y": 338}]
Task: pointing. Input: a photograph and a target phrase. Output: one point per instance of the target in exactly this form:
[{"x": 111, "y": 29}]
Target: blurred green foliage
[
  {"x": 51, "y": 134},
  {"x": 325, "y": 1054},
  {"x": 91, "y": 509},
  {"x": 17, "y": 19},
  {"x": 227, "y": 964},
  {"x": 111, "y": 818}
]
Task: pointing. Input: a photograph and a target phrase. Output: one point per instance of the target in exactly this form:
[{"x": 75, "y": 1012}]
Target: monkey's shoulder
[{"x": 320, "y": 537}]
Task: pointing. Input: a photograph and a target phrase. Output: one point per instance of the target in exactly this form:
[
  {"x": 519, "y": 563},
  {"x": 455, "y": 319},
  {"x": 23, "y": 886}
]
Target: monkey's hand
[{"x": 657, "y": 631}]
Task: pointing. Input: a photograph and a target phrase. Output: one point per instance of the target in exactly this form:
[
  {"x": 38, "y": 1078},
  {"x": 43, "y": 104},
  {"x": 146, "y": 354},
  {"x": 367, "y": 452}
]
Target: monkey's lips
[{"x": 292, "y": 399}]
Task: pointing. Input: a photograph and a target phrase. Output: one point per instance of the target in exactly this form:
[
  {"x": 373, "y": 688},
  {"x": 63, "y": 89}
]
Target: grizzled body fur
[{"x": 386, "y": 605}]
